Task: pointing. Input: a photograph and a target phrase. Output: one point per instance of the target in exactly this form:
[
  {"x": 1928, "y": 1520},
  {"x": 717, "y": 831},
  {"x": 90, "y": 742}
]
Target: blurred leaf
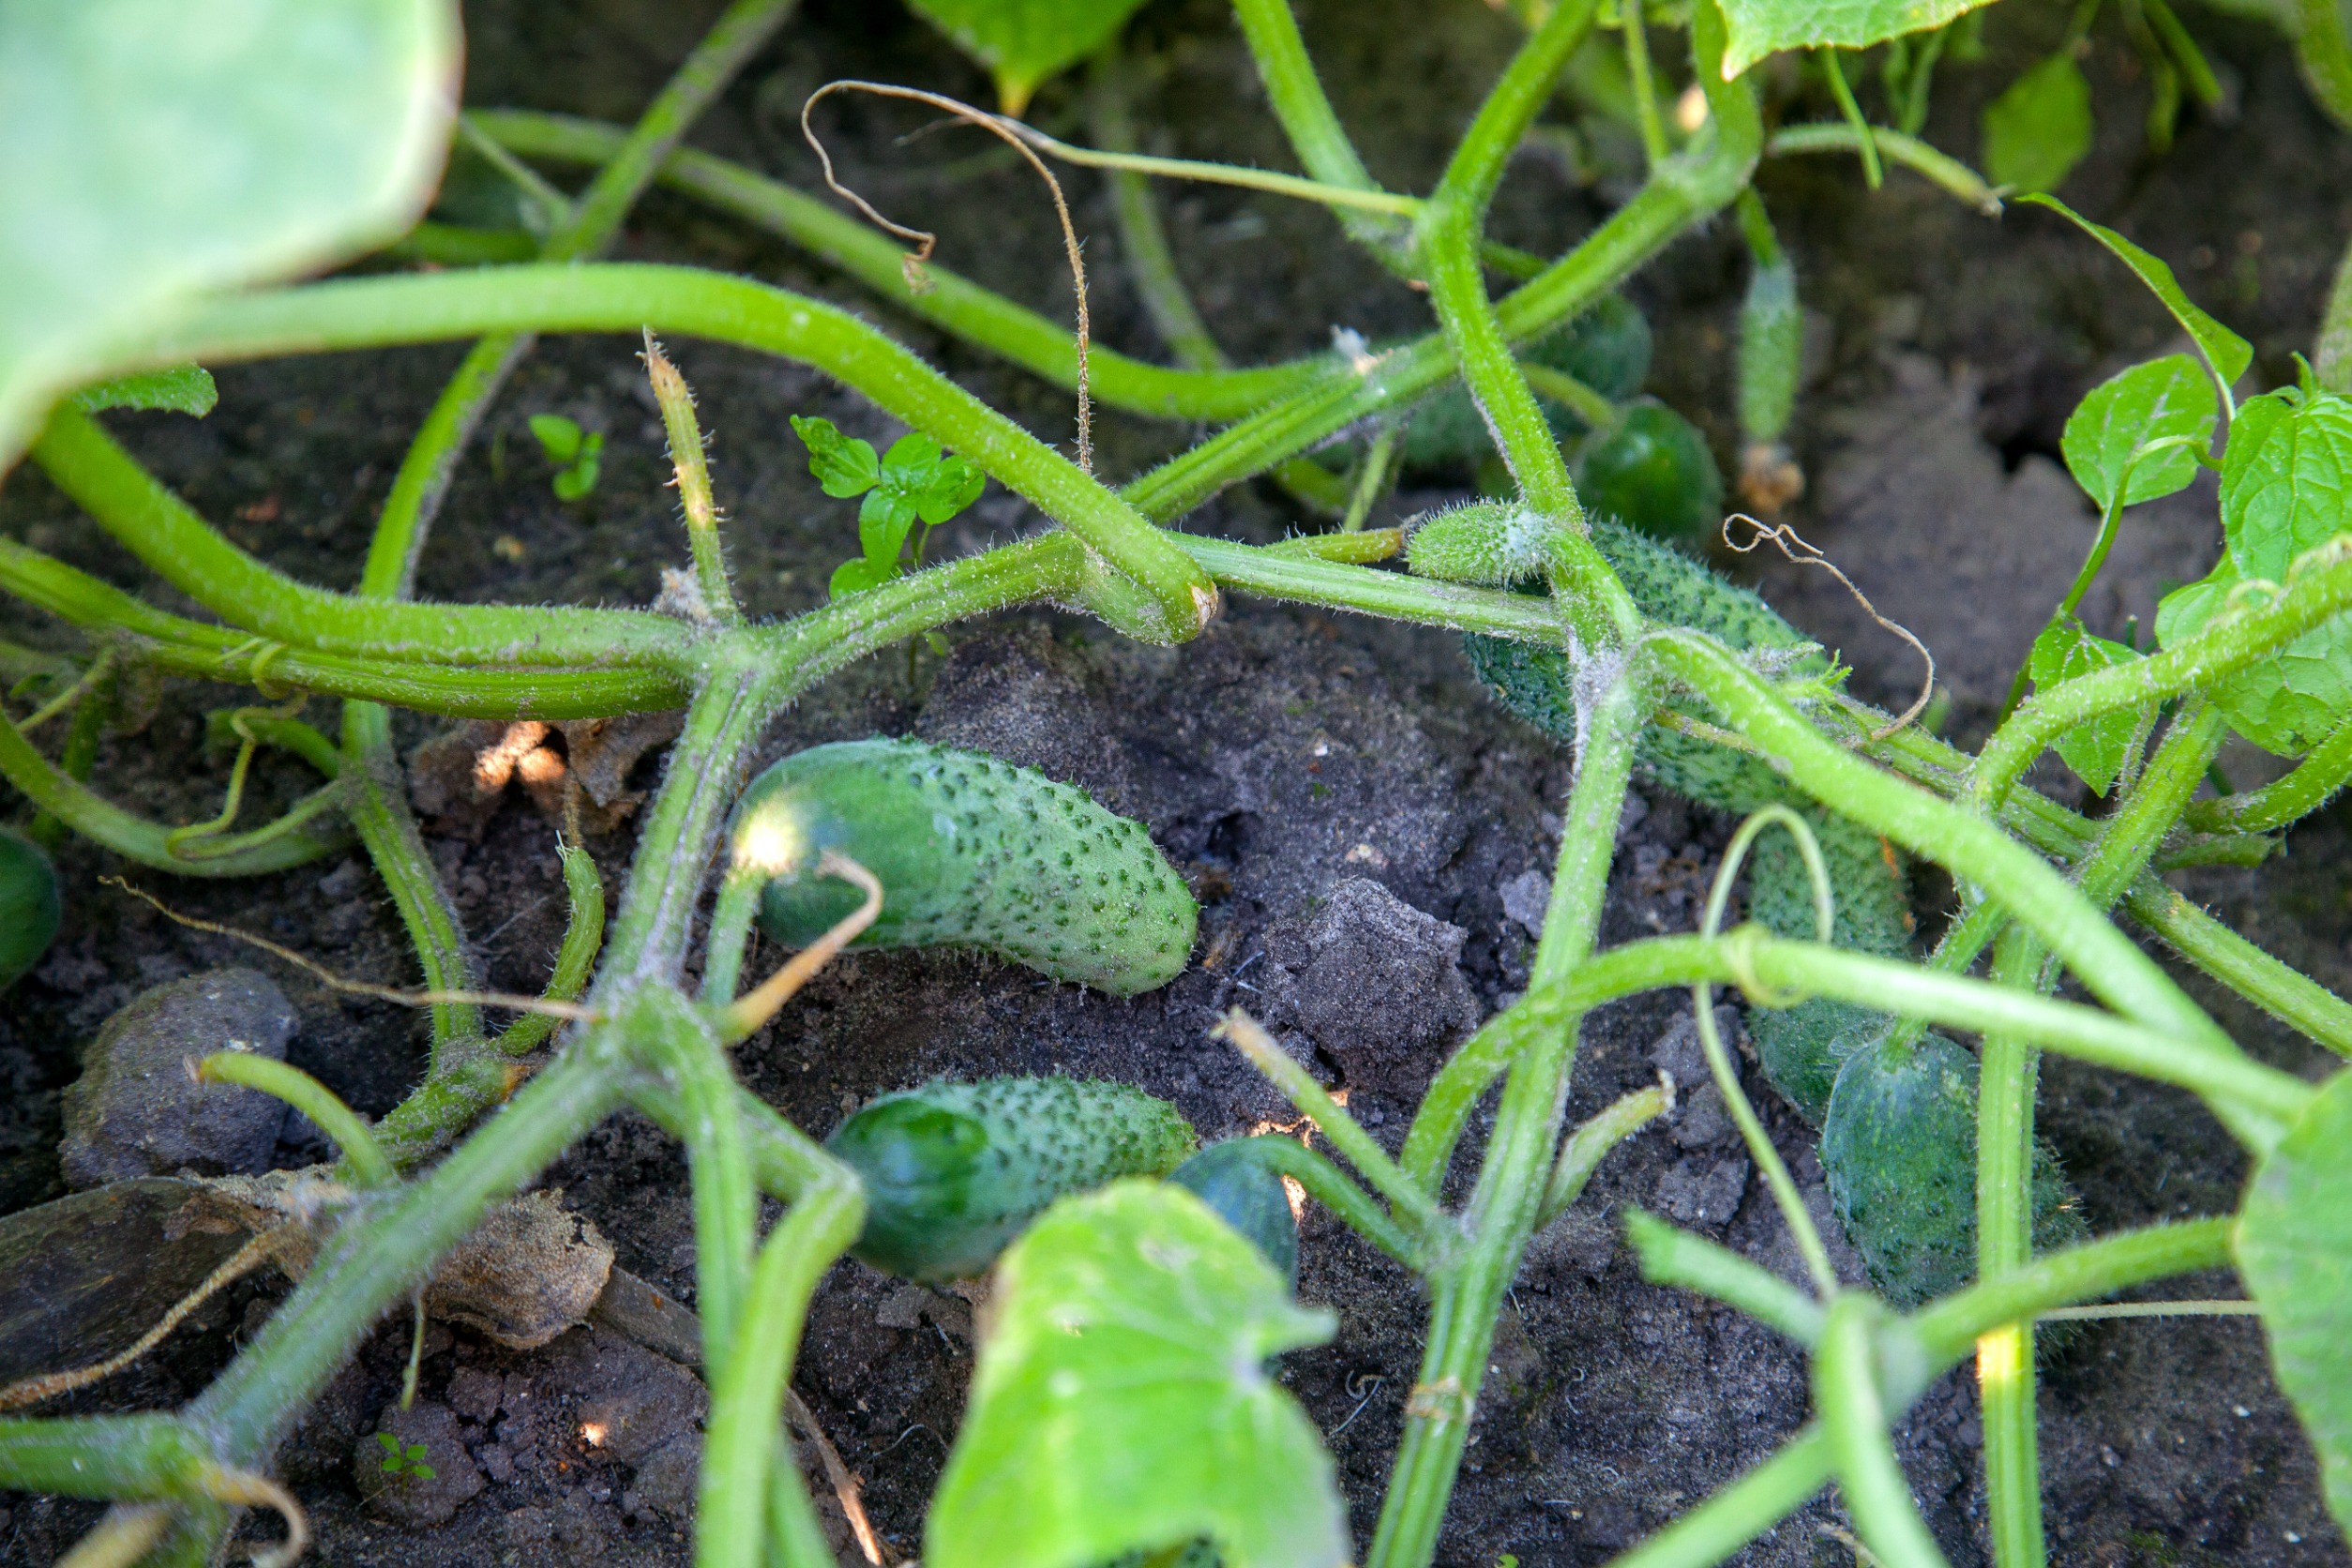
[
  {"x": 2228, "y": 353},
  {"x": 2293, "y": 1246},
  {"x": 1022, "y": 42},
  {"x": 1122, "y": 1402},
  {"x": 153, "y": 151},
  {"x": 2095, "y": 751},
  {"x": 2039, "y": 127},
  {"x": 2286, "y": 478},
  {"x": 844, "y": 465},
  {"x": 558, "y": 437},
  {"x": 1760, "y": 27},
  {"x": 2114, "y": 425},
  {"x": 182, "y": 389}
]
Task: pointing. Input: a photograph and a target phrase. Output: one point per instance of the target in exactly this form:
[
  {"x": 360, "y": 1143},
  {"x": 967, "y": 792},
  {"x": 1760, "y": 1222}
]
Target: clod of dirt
[
  {"x": 413, "y": 1471},
  {"x": 1373, "y": 982},
  {"x": 628, "y": 1403},
  {"x": 1702, "y": 1192},
  {"x": 135, "y": 1111},
  {"x": 666, "y": 1481}
]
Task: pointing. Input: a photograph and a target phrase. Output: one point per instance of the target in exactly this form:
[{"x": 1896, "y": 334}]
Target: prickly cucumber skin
[
  {"x": 1248, "y": 1195},
  {"x": 1899, "y": 1149},
  {"x": 954, "y": 1170},
  {"x": 970, "y": 852},
  {"x": 28, "y": 906}
]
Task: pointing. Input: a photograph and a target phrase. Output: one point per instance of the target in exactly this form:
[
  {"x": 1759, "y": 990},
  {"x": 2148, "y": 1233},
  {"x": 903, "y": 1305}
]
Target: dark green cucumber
[
  {"x": 1652, "y": 471},
  {"x": 971, "y": 853},
  {"x": 1235, "y": 1179},
  {"x": 954, "y": 1170},
  {"x": 28, "y": 906},
  {"x": 1899, "y": 1149}
]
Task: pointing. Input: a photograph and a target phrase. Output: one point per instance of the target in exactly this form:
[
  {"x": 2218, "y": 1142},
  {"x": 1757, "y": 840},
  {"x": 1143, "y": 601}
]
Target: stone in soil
[
  {"x": 1375, "y": 984},
  {"x": 136, "y": 1112}
]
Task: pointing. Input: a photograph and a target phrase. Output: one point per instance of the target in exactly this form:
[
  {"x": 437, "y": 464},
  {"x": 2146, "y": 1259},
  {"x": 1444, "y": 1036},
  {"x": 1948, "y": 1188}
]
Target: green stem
[
  {"x": 1308, "y": 120},
  {"x": 1646, "y": 116},
  {"x": 1865, "y": 137},
  {"x": 739, "y": 895},
  {"x": 1339, "y": 1128},
  {"x": 1142, "y": 241},
  {"x": 2285, "y": 993},
  {"x": 678, "y": 1045},
  {"x": 315, "y": 1099},
  {"x": 376, "y": 800},
  {"x": 1740, "y": 1512},
  {"x": 2315, "y": 782},
  {"x": 1672, "y": 1255},
  {"x": 1846, "y": 1393},
  {"x": 575, "y": 957},
  {"x": 1328, "y": 1185}
]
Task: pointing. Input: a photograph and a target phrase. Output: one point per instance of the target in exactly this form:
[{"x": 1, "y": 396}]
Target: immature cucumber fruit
[
  {"x": 1235, "y": 1179},
  {"x": 954, "y": 1170},
  {"x": 1653, "y": 472},
  {"x": 970, "y": 852},
  {"x": 1899, "y": 1149},
  {"x": 28, "y": 906}
]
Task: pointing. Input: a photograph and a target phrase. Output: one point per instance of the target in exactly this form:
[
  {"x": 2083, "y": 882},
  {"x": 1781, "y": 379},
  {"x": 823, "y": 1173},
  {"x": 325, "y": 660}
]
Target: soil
[{"x": 1310, "y": 773}]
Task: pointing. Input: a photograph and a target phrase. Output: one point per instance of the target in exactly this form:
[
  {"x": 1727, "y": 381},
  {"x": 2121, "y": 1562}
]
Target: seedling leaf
[
  {"x": 1761, "y": 27},
  {"x": 2293, "y": 1246},
  {"x": 159, "y": 153},
  {"x": 1022, "y": 42},
  {"x": 843, "y": 464},
  {"x": 2112, "y": 429},
  {"x": 558, "y": 437},
  {"x": 2095, "y": 751},
  {"x": 182, "y": 389},
  {"x": 856, "y": 575},
  {"x": 2223, "y": 350},
  {"x": 953, "y": 485},
  {"x": 2039, "y": 127},
  {"x": 1122, "y": 1402},
  {"x": 2286, "y": 478}
]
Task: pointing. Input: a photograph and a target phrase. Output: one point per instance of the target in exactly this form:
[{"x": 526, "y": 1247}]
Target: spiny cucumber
[
  {"x": 1899, "y": 1149},
  {"x": 28, "y": 906},
  {"x": 1235, "y": 1179},
  {"x": 954, "y": 1170},
  {"x": 970, "y": 852}
]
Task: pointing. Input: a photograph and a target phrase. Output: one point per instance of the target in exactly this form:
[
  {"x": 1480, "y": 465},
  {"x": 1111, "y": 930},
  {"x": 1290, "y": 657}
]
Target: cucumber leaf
[
  {"x": 2039, "y": 127},
  {"x": 2293, "y": 1246},
  {"x": 181, "y": 389},
  {"x": 2095, "y": 750},
  {"x": 2111, "y": 429},
  {"x": 157, "y": 152},
  {"x": 1122, "y": 1401},
  {"x": 845, "y": 467},
  {"x": 1022, "y": 42},
  {"x": 1761, "y": 27},
  {"x": 2288, "y": 702},
  {"x": 2223, "y": 350},
  {"x": 2286, "y": 478}
]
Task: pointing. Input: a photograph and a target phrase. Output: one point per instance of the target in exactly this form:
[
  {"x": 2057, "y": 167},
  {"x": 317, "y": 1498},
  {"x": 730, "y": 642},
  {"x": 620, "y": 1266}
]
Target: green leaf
[
  {"x": 882, "y": 525},
  {"x": 911, "y": 461},
  {"x": 2095, "y": 751},
  {"x": 953, "y": 485},
  {"x": 558, "y": 437},
  {"x": 2290, "y": 702},
  {"x": 577, "y": 481},
  {"x": 1760, "y": 27},
  {"x": 844, "y": 465},
  {"x": 1122, "y": 1402},
  {"x": 2223, "y": 350},
  {"x": 182, "y": 389},
  {"x": 159, "y": 152},
  {"x": 2286, "y": 478},
  {"x": 2110, "y": 430},
  {"x": 2039, "y": 127},
  {"x": 2293, "y": 1246},
  {"x": 857, "y": 574},
  {"x": 1022, "y": 42}
]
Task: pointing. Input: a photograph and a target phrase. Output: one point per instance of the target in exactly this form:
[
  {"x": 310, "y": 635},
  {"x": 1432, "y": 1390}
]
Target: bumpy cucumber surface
[
  {"x": 954, "y": 1170},
  {"x": 970, "y": 852},
  {"x": 28, "y": 906},
  {"x": 1899, "y": 1150},
  {"x": 1233, "y": 1179}
]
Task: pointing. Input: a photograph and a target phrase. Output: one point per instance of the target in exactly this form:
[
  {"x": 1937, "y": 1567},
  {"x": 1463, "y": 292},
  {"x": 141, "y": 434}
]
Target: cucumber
[
  {"x": 28, "y": 906},
  {"x": 954, "y": 1170},
  {"x": 1653, "y": 472},
  {"x": 1233, "y": 1179},
  {"x": 971, "y": 853},
  {"x": 1606, "y": 348},
  {"x": 1899, "y": 1148}
]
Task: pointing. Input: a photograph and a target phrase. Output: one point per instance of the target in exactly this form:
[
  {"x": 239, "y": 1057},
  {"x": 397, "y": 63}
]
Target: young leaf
[
  {"x": 2096, "y": 750},
  {"x": 2109, "y": 432},
  {"x": 953, "y": 485},
  {"x": 161, "y": 153},
  {"x": 558, "y": 437},
  {"x": 844, "y": 466},
  {"x": 2290, "y": 702},
  {"x": 2039, "y": 127},
  {"x": 2286, "y": 478},
  {"x": 181, "y": 389},
  {"x": 1760, "y": 27},
  {"x": 910, "y": 460},
  {"x": 882, "y": 522},
  {"x": 2293, "y": 1246},
  {"x": 2223, "y": 350},
  {"x": 1022, "y": 42},
  {"x": 856, "y": 575},
  {"x": 1123, "y": 1401}
]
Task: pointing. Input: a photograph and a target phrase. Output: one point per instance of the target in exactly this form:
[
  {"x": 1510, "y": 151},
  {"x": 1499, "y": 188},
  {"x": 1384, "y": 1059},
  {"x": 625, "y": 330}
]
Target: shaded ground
[{"x": 1284, "y": 755}]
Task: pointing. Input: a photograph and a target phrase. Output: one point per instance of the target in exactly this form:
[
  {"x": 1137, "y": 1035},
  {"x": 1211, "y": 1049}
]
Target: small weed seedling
[{"x": 1121, "y": 1410}]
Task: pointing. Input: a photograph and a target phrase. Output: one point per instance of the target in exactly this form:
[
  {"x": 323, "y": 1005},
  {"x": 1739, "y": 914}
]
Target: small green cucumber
[
  {"x": 1771, "y": 350},
  {"x": 1235, "y": 1179},
  {"x": 1899, "y": 1149},
  {"x": 1652, "y": 471},
  {"x": 954, "y": 1170},
  {"x": 28, "y": 906},
  {"x": 970, "y": 852}
]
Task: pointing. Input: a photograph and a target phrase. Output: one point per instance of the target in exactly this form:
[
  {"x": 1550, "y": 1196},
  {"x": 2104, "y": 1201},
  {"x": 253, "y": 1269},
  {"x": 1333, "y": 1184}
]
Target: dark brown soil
[{"x": 1283, "y": 754}]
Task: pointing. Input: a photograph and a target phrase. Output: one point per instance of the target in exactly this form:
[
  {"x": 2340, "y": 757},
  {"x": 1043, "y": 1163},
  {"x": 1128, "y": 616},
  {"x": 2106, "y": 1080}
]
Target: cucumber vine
[{"x": 1121, "y": 1405}]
